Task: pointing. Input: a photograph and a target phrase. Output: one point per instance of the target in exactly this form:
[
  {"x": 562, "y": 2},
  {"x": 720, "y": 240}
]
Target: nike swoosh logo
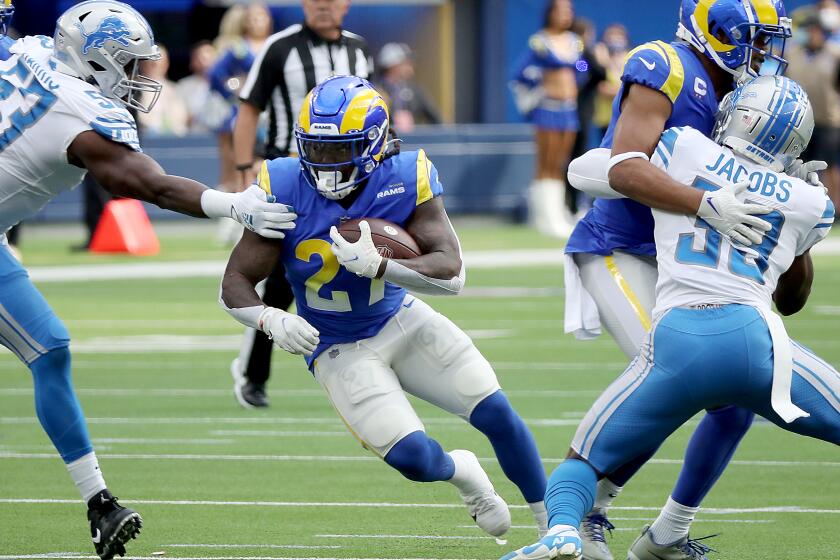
[
  {"x": 98, "y": 537},
  {"x": 648, "y": 65},
  {"x": 409, "y": 304},
  {"x": 353, "y": 259},
  {"x": 712, "y": 205}
]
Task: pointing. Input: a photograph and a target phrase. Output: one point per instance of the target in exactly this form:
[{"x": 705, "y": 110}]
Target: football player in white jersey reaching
[
  {"x": 62, "y": 113},
  {"x": 715, "y": 340}
]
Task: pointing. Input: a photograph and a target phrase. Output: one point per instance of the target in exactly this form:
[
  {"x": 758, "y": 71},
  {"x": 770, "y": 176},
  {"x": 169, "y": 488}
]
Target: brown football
[{"x": 392, "y": 241}]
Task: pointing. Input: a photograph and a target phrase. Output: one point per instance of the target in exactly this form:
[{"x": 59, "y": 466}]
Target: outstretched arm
[{"x": 131, "y": 174}]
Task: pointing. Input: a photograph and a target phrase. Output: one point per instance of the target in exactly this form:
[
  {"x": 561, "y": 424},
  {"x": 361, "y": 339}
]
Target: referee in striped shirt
[{"x": 290, "y": 64}]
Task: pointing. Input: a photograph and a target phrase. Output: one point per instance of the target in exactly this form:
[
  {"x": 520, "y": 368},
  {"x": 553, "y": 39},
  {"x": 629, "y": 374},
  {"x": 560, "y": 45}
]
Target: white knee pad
[{"x": 370, "y": 401}]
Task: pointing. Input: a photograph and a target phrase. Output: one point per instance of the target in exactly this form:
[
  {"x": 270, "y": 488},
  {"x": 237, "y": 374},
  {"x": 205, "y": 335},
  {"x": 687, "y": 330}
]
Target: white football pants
[
  {"x": 623, "y": 286},
  {"x": 420, "y": 352}
]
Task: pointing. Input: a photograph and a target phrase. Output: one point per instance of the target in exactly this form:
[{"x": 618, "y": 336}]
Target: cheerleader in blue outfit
[
  {"x": 545, "y": 89},
  {"x": 243, "y": 33}
]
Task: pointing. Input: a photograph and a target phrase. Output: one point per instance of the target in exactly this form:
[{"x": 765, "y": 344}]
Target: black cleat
[
  {"x": 111, "y": 525},
  {"x": 251, "y": 395},
  {"x": 247, "y": 393}
]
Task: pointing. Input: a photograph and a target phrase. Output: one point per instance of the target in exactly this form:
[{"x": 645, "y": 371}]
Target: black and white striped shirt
[{"x": 291, "y": 63}]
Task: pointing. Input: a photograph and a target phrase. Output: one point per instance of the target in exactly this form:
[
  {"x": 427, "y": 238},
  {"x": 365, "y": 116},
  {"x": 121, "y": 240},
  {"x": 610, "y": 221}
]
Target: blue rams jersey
[
  {"x": 342, "y": 306},
  {"x": 678, "y": 73}
]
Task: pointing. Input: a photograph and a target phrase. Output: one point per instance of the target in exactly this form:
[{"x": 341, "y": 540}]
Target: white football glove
[
  {"x": 361, "y": 257},
  {"x": 723, "y": 211},
  {"x": 807, "y": 171},
  {"x": 253, "y": 208},
  {"x": 289, "y": 331}
]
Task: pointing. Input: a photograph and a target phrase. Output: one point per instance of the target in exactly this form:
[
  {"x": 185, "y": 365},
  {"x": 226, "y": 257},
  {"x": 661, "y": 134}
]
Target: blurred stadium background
[{"x": 464, "y": 51}]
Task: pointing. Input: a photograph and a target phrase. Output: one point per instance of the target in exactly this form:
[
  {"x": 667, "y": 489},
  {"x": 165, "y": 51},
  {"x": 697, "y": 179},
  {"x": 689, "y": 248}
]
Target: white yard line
[
  {"x": 279, "y": 504},
  {"x": 426, "y": 537},
  {"x": 508, "y": 258},
  {"x": 66, "y": 556},
  {"x": 291, "y": 546},
  {"x": 364, "y": 458}
]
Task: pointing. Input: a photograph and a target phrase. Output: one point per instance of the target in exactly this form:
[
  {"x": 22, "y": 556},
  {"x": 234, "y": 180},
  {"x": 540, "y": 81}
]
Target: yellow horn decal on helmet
[
  {"x": 303, "y": 116},
  {"x": 766, "y": 12},
  {"x": 701, "y": 14},
  {"x": 357, "y": 111}
]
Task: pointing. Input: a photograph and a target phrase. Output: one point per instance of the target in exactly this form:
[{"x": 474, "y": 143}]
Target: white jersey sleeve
[
  {"x": 41, "y": 112},
  {"x": 820, "y": 229}
]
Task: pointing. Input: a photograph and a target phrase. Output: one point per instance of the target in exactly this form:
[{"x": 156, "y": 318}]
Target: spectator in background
[
  {"x": 614, "y": 46},
  {"x": 169, "y": 116},
  {"x": 409, "y": 104},
  {"x": 546, "y": 91},
  {"x": 290, "y": 64},
  {"x": 195, "y": 89},
  {"x": 591, "y": 72},
  {"x": 243, "y": 31},
  {"x": 814, "y": 62}
]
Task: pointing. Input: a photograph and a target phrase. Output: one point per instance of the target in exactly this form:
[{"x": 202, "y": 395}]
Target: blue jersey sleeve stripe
[
  {"x": 661, "y": 153},
  {"x": 829, "y": 210},
  {"x": 669, "y": 140}
]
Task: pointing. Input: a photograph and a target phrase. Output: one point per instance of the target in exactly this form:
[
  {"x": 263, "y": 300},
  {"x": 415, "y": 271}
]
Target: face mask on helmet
[
  {"x": 335, "y": 165},
  {"x": 134, "y": 89},
  {"x": 728, "y": 33}
]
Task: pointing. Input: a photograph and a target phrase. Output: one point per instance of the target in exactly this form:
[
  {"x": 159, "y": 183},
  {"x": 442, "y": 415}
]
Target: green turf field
[{"x": 215, "y": 481}]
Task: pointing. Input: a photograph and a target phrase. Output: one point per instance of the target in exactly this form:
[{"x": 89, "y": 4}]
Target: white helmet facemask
[{"x": 103, "y": 43}]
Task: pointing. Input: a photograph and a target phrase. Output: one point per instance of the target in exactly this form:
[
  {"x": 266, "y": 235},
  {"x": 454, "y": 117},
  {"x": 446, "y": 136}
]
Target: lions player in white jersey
[
  {"x": 715, "y": 340},
  {"x": 62, "y": 113}
]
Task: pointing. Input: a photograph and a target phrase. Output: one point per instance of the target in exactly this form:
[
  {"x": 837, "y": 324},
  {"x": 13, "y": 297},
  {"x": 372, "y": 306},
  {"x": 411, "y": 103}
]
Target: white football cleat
[
  {"x": 561, "y": 543},
  {"x": 487, "y": 508}
]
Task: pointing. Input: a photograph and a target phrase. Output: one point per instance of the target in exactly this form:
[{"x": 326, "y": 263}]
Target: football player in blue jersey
[
  {"x": 611, "y": 267},
  {"x": 366, "y": 340}
]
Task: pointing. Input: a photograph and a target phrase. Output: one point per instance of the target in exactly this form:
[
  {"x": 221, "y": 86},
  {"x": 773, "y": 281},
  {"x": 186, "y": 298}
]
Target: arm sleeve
[
  {"x": 656, "y": 66},
  {"x": 820, "y": 229},
  {"x": 263, "y": 77},
  {"x": 588, "y": 173}
]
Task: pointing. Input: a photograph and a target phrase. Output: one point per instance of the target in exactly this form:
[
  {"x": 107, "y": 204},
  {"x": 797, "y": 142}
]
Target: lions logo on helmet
[
  {"x": 737, "y": 35},
  {"x": 341, "y": 134}
]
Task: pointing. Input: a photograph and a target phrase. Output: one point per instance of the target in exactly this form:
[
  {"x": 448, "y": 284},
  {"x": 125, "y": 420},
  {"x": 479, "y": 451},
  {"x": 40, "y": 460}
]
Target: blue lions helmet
[
  {"x": 739, "y": 36},
  {"x": 342, "y": 134},
  {"x": 6, "y": 13}
]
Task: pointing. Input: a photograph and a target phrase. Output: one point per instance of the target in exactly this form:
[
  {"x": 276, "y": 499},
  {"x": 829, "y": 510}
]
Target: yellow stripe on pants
[{"x": 628, "y": 292}]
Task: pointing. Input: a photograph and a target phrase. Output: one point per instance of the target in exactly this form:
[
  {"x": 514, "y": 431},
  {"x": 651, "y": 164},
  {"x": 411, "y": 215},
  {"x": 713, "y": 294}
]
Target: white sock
[
  {"x": 605, "y": 494},
  {"x": 464, "y": 477},
  {"x": 673, "y": 523},
  {"x": 557, "y": 529},
  {"x": 540, "y": 516},
  {"x": 87, "y": 476}
]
